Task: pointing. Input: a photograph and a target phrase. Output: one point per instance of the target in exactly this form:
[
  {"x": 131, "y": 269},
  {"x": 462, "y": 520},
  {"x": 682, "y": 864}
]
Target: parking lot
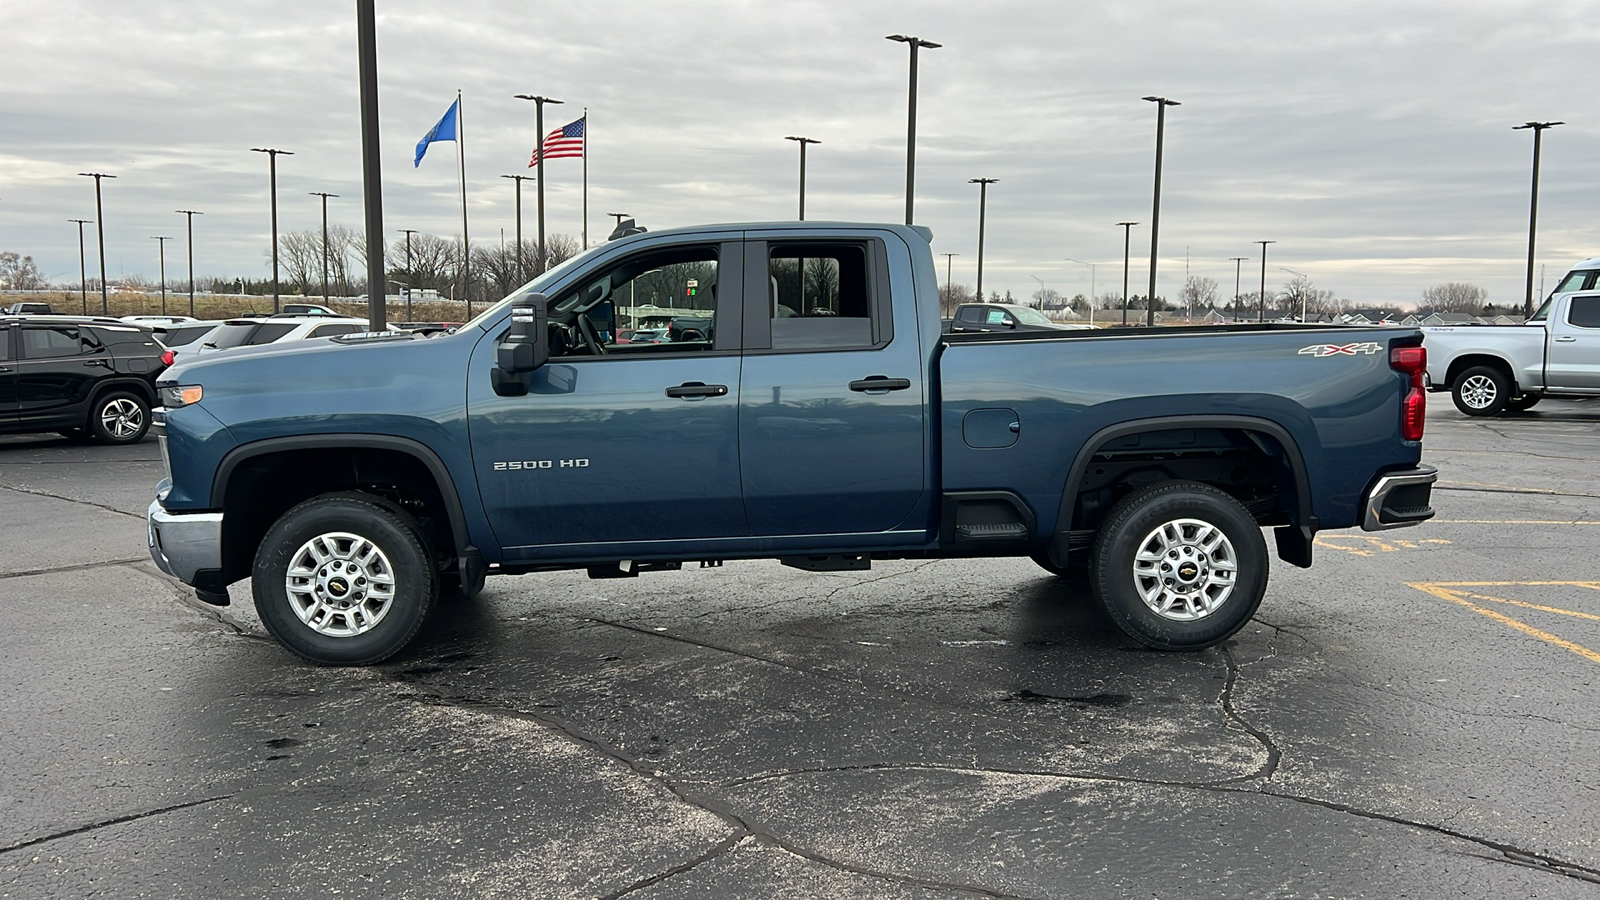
[{"x": 1413, "y": 716}]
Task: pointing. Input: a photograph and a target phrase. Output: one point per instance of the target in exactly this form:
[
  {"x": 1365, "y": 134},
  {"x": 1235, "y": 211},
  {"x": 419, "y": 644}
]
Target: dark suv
[{"x": 78, "y": 376}]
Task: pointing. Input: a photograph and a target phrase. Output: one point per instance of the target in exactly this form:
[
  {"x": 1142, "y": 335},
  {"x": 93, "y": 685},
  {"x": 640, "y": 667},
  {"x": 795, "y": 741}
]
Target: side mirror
[{"x": 527, "y": 344}]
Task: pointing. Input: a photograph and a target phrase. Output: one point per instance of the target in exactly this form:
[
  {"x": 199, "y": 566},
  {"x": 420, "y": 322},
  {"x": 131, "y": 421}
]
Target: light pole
[
  {"x": 522, "y": 267},
  {"x": 325, "y": 195},
  {"x": 1533, "y": 207},
  {"x": 161, "y": 241},
  {"x": 272, "y": 175},
  {"x": 948, "y": 296},
  {"x": 1155, "y": 212},
  {"x": 1263, "y": 296},
  {"x": 83, "y": 268},
  {"x": 1091, "y": 284},
  {"x": 802, "y": 141},
  {"x": 538, "y": 124},
  {"x": 983, "y": 203},
  {"x": 100, "y": 233},
  {"x": 1127, "y": 230},
  {"x": 189, "y": 215},
  {"x": 1303, "y": 288},
  {"x": 408, "y": 232},
  {"x": 911, "y": 117},
  {"x": 1237, "y": 262}
]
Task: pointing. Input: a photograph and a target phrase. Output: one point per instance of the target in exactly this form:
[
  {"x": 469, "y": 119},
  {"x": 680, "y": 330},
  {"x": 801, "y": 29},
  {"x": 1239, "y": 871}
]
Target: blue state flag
[{"x": 444, "y": 131}]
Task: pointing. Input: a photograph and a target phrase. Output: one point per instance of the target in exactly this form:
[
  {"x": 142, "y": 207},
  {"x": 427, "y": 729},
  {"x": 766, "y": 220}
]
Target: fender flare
[{"x": 1294, "y": 542}]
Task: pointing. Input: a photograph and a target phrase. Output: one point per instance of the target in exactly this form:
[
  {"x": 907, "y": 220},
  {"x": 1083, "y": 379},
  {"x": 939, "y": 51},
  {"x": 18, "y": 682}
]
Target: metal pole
[
  {"x": 1262, "y": 317},
  {"x": 522, "y": 268},
  {"x": 1127, "y": 231},
  {"x": 325, "y": 195},
  {"x": 409, "y": 274},
  {"x": 83, "y": 269},
  {"x": 1533, "y": 208},
  {"x": 1303, "y": 289},
  {"x": 272, "y": 175},
  {"x": 802, "y": 141},
  {"x": 538, "y": 120},
  {"x": 372, "y": 167},
  {"x": 100, "y": 232},
  {"x": 161, "y": 241},
  {"x": 949, "y": 297},
  {"x": 1237, "y": 262},
  {"x": 1155, "y": 212},
  {"x": 983, "y": 203},
  {"x": 189, "y": 215},
  {"x": 911, "y": 117}
]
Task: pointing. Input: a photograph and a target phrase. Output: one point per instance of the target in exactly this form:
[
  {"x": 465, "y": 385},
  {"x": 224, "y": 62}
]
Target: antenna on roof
[{"x": 626, "y": 227}]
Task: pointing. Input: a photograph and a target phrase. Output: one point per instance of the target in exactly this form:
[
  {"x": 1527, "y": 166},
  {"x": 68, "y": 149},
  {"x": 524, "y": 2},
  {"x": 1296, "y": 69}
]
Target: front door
[
  {"x": 620, "y": 444},
  {"x": 1573, "y": 362},
  {"x": 8, "y": 379},
  {"x": 832, "y": 399}
]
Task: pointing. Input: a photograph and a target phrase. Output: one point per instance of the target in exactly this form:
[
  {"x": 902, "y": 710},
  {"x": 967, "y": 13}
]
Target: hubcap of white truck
[
  {"x": 1479, "y": 392},
  {"x": 340, "y": 584},
  {"x": 1185, "y": 569}
]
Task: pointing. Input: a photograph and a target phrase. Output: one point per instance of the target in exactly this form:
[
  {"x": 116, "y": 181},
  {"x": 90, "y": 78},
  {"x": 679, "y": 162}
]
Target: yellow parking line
[
  {"x": 1439, "y": 590},
  {"x": 1549, "y": 609},
  {"x": 1510, "y": 522}
]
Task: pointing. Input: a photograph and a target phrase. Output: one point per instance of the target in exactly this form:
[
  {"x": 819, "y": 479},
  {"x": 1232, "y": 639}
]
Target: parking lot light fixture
[
  {"x": 1237, "y": 262},
  {"x": 1263, "y": 296},
  {"x": 100, "y": 233},
  {"x": 83, "y": 267},
  {"x": 522, "y": 267},
  {"x": 272, "y": 177},
  {"x": 983, "y": 203},
  {"x": 161, "y": 241},
  {"x": 1155, "y": 212},
  {"x": 190, "y": 214},
  {"x": 1127, "y": 230},
  {"x": 324, "y": 195},
  {"x": 538, "y": 127},
  {"x": 915, "y": 43},
  {"x": 1533, "y": 207},
  {"x": 802, "y": 141},
  {"x": 1091, "y": 283}
]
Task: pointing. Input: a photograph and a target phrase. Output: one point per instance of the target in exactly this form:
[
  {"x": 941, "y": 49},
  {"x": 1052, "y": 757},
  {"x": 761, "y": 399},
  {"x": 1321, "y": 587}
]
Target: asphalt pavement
[{"x": 1414, "y": 716}]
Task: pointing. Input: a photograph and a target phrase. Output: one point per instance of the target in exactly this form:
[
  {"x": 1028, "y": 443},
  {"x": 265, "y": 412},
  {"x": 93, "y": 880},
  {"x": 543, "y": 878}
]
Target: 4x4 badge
[{"x": 1321, "y": 350}]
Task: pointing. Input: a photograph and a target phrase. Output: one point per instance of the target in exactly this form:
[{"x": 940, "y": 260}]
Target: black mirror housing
[{"x": 527, "y": 344}]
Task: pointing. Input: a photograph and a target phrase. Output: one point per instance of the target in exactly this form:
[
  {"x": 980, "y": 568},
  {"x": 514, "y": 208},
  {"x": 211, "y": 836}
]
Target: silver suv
[{"x": 276, "y": 329}]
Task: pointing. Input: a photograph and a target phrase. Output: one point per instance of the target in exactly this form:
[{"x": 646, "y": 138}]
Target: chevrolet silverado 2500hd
[{"x": 821, "y": 418}]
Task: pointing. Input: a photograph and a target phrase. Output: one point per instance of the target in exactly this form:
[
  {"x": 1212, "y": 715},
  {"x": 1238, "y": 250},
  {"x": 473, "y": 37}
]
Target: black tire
[
  {"x": 1481, "y": 391},
  {"x": 367, "y": 542},
  {"x": 1524, "y": 403},
  {"x": 1181, "y": 518},
  {"x": 118, "y": 417}
]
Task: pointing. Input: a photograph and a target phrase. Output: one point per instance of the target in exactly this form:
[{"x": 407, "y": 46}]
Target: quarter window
[
  {"x": 269, "y": 332},
  {"x": 1585, "y": 312}
]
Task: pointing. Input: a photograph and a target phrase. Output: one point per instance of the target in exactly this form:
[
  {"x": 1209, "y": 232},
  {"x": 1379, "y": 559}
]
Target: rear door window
[
  {"x": 1585, "y": 312},
  {"x": 822, "y": 296},
  {"x": 269, "y": 332},
  {"x": 47, "y": 342}
]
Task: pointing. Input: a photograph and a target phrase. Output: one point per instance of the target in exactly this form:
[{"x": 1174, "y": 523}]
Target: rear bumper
[
  {"x": 1399, "y": 499},
  {"x": 184, "y": 544}
]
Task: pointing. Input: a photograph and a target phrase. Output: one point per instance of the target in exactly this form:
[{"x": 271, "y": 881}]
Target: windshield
[
  {"x": 1543, "y": 312},
  {"x": 230, "y": 334},
  {"x": 1574, "y": 281},
  {"x": 549, "y": 275},
  {"x": 1030, "y": 316}
]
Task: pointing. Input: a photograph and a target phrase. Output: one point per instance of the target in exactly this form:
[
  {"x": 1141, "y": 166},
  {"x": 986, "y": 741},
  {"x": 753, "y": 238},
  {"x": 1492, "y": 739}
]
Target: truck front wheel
[
  {"x": 1481, "y": 391},
  {"x": 1179, "y": 565},
  {"x": 344, "y": 579}
]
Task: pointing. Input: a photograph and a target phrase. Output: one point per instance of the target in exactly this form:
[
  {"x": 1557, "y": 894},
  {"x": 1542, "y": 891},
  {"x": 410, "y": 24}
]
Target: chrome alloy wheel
[
  {"x": 340, "y": 584},
  {"x": 1479, "y": 392},
  {"x": 121, "y": 418},
  {"x": 1185, "y": 569}
]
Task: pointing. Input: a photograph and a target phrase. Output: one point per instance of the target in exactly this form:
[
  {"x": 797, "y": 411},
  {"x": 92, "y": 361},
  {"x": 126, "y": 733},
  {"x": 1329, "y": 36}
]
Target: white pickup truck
[{"x": 1489, "y": 369}]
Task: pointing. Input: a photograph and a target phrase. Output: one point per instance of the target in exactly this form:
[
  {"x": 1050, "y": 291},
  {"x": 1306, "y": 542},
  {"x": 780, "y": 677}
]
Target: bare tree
[
  {"x": 19, "y": 273},
  {"x": 1454, "y": 296},
  {"x": 1199, "y": 292},
  {"x": 952, "y": 296},
  {"x": 1046, "y": 298},
  {"x": 299, "y": 259},
  {"x": 1300, "y": 293}
]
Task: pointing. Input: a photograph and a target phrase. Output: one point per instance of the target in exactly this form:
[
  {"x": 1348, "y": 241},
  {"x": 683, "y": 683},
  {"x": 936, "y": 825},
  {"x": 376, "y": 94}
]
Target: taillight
[
  {"x": 1413, "y": 361},
  {"x": 168, "y": 357}
]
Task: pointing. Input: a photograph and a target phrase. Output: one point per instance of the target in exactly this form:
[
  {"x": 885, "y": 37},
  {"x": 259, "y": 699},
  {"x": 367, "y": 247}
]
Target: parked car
[
  {"x": 275, "y": 329},
  {"x": 691, "y": 328},
  {"x": 78, "y": 376},
  {"x": 981, "y": 317},
  {"x": 157, "y": 320},
  {"x": 352, "y": 482},
  {"x": 646, "y": 336},
  {"x": 28, "y": 309},
  {"x": 307, "y": 309},
  {"x": 1490, "y": 369}
]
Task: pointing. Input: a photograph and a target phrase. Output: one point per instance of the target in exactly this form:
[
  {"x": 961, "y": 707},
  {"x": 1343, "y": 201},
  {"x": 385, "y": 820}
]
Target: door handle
[
  {"x": 1567, "y": 338},
  {"x": 694, "y": 390},
  {"x": 96, "y": 362},
  {"x": 880, "y": 383}
]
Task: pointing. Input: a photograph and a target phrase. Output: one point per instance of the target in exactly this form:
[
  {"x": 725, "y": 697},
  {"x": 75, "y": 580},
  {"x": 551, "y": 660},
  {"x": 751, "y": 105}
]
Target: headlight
[{"x": 174, "y": 396}]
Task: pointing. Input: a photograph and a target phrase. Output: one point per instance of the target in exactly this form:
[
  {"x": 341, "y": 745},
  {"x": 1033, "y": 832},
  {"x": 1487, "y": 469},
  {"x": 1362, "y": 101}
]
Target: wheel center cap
[
  {"x": 338, "y": 587},
  {"x": 1188, "y": 571}
]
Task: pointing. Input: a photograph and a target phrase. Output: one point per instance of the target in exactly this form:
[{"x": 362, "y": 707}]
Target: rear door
[
  {"x": 8, "y": 376},
  {"x": 57, "y": 369},
  {"x": 831, "y": 398},
  {"x": 1573, "y": 358}
]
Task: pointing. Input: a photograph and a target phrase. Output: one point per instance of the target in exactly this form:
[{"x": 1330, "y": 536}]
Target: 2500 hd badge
[{"x": 516, "y": 464}]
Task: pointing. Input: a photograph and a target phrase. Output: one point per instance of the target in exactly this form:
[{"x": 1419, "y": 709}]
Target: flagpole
[
  {"x": 586, "y": 178},
  {"x": 466, "y": 244}
]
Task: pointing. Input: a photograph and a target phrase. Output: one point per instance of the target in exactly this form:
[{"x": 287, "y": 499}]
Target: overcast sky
[{"x": 1371, "y": 140}]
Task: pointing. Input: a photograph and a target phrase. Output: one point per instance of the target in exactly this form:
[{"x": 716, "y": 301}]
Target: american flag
[{"x": 566, "y": 141}]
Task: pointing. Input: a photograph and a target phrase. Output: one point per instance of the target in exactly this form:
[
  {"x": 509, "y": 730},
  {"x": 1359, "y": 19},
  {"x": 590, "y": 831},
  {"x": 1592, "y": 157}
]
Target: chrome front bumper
[
  {"x": 1399, "y": 499},
  {"x": 184, "y": 544}
]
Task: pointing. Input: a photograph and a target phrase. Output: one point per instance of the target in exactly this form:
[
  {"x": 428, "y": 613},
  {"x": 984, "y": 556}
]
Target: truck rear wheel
[
  {"x": 344, "y": 579},
  {"x": 1179, "y": 565},
  {"x": 1481, "y": 391}
]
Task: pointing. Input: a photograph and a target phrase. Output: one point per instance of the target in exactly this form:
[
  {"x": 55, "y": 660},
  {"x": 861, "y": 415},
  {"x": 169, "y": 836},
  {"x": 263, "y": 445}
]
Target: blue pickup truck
[{"x": 821, "y": 419}]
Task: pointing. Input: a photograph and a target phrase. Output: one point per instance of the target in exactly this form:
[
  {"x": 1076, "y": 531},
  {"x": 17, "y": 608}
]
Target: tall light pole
[
  {"x": 911, "y": 118},
  {"x": 1303, "y": 288},
  {"x": 1237, "y": 262},
  {"x": 522, "y": 266},
  {"x": 538, "y": 124},
  {"x": 949, "y": 297},
  {"x": 409, "y": 274},
  {"x": 1533, "y": 207},
  {"x": 372, "y": 166},
  {"x": 1091, "y": 284},
  {"x": 983, "y": 203},
  {"x": 803, "y": 141},
  {"x": 161, "y": 241},
  {"x": 325, "y": 195},
  {"x": 83, "y": 268},
  {"x": 1263, "y": 295},
  {"x": 100, "y": 233},
  {"x": 272, "y": 175},
  {"x": 1155, "y": 211},
  {"x": 189, "y": 215},
  {"x": 1127, "y": 230}
]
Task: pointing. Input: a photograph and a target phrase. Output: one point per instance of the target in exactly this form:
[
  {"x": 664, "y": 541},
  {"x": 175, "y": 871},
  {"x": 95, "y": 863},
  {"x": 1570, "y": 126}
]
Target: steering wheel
[{"x": 591, "y": 337}]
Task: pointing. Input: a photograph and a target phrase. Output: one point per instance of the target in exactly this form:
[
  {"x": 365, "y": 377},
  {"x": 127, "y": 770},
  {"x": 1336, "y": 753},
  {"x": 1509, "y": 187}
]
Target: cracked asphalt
[{"x": 1415, "y": 716}]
